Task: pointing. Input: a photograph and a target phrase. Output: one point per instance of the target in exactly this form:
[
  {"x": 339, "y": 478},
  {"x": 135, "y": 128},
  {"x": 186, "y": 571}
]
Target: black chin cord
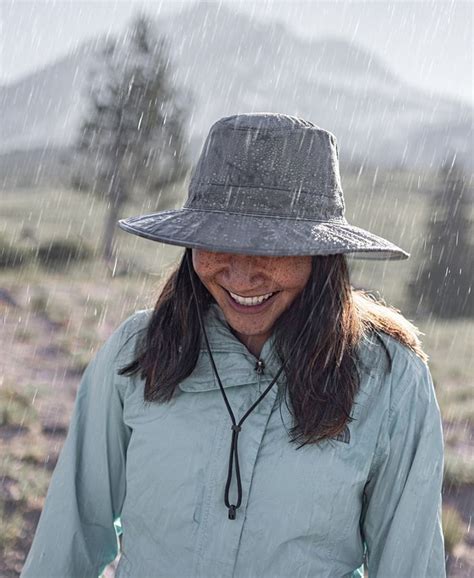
[{"x": 237, "y": 427}]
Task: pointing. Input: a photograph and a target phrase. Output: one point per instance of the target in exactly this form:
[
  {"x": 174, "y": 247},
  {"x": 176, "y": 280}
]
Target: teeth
[{"x": 250, "y": 300}]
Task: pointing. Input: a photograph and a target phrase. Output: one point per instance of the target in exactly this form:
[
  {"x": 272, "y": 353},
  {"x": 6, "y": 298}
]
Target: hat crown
[
  {"x": 269, "y": 164},
  {"x": 265, "y": 184}
]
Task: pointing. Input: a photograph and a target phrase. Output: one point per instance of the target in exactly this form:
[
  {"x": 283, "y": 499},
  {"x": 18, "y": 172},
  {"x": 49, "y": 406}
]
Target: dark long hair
[{"x": 322, "y": 373}]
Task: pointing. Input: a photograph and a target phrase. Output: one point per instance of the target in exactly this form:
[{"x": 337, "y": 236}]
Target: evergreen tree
[
  {"x": 443, "y": 284},
  {"x": 132, "y": 137}
]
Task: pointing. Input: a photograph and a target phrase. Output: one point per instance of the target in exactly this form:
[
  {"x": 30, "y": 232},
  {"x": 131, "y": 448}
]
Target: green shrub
[
  {"x": 33, "y": 455},
  {"x": 11, "y": 528},
  {"x": 39, "y": 302},
  {"x": 23, "y": 335},
  {"x": 16, "y": 409},
  {"x": 12, "y": 256},
  {"x": 59, "y": 254},
  {"x": 458, "y": 471},
  {"x": 453, "y": 528},
  {"x": 29, "y": 479},
  {"x": 457, "y": 403}
]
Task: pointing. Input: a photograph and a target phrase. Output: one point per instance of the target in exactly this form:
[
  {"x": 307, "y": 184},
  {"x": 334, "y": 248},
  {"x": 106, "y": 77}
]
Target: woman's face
[{"x": 252, "y": 291}]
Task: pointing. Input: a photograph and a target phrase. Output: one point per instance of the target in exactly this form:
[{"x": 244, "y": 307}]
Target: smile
[{"x": 250, "y": 301}]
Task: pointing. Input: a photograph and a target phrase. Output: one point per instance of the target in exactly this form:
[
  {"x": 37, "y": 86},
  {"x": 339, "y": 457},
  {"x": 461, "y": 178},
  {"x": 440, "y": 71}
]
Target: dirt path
[{"x": 44, "y": 351}]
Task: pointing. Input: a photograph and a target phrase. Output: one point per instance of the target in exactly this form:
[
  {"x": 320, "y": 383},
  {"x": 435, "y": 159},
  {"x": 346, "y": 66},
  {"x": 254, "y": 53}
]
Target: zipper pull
[{"x": 259, "y": 366}]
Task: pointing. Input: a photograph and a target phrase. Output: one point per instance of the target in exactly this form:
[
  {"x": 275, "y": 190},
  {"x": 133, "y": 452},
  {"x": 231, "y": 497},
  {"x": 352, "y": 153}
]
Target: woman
[{"x": 264, "y": 419}]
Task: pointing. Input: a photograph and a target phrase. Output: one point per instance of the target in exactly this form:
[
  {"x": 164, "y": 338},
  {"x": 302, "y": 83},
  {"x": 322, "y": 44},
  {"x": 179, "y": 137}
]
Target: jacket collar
[{"x": 235, "y": 364}]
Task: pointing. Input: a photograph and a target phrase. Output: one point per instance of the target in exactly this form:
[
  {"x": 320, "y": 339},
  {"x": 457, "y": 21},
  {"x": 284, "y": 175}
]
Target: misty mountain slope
[
  {"x": 230, "y": 63},
  {"x": 41, "y": 108}
]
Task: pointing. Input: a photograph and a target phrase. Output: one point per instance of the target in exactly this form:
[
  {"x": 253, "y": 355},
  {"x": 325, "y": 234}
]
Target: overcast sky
[{"x": 428, "y": 44}]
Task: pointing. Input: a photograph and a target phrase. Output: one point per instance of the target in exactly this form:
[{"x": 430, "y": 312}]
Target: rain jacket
[{"x": 372, "y": 494}]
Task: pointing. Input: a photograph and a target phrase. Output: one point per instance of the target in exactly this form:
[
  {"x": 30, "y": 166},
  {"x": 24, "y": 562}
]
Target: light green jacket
[{"x": 373, "y": 495}]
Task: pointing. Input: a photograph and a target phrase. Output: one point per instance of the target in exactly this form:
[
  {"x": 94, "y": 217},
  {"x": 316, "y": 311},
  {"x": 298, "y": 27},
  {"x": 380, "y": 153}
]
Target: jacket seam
[{"x": 416, "y": 372}]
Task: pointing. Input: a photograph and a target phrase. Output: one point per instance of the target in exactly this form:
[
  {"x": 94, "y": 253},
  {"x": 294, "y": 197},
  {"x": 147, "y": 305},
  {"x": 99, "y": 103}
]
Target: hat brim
[{"x": 260, "y": 235}]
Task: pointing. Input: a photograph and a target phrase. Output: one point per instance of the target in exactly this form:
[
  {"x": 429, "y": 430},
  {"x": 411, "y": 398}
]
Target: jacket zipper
[{"x": 259, "y": 368}]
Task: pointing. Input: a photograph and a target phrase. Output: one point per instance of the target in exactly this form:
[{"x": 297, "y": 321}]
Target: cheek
[
  {"x": 205, "y": 265},
  {"x": 296, "y": 276}
]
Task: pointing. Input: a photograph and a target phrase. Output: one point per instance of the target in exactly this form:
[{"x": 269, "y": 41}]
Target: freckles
[
  {"x": 292, "y": 272},
  {"x": 205, "y": 262}
]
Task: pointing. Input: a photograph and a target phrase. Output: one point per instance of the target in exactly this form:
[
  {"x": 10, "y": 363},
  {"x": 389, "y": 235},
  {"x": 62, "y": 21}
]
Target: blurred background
[{"x": 104, "y": 107}]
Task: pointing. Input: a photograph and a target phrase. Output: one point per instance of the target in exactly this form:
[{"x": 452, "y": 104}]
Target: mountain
[
  {"x": 43, "y": 108},
  {"x": 230, "y": 63}
]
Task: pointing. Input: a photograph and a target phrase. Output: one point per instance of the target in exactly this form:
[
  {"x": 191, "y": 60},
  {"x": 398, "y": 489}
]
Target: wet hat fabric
[{"x": 265, "y": 184}]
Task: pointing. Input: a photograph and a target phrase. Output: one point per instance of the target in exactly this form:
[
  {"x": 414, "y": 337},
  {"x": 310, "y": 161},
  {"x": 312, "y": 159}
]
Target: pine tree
[
  {"x": 132, "y": 136},
  {"x": 443, "y": 285}
]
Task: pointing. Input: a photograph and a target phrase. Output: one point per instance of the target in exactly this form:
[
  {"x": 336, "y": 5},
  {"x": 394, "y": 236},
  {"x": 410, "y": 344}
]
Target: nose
[{"x": 245, "y": 272}]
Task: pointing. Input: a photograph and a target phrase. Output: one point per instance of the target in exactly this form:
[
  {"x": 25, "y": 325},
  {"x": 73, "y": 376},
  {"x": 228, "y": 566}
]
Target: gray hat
[{"x": 265, "y": 184}]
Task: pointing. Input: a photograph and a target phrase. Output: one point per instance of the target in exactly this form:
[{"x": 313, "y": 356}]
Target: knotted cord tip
[{"x": 232, "y": 512}]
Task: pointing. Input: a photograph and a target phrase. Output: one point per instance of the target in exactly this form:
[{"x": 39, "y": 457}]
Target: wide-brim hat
[{"x": 265, "y": 184}]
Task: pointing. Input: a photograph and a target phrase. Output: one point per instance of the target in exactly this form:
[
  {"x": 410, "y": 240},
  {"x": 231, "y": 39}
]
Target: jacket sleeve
[
  {"x": 75, "y": 537},
  {"x": 401, "y": 520}
]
